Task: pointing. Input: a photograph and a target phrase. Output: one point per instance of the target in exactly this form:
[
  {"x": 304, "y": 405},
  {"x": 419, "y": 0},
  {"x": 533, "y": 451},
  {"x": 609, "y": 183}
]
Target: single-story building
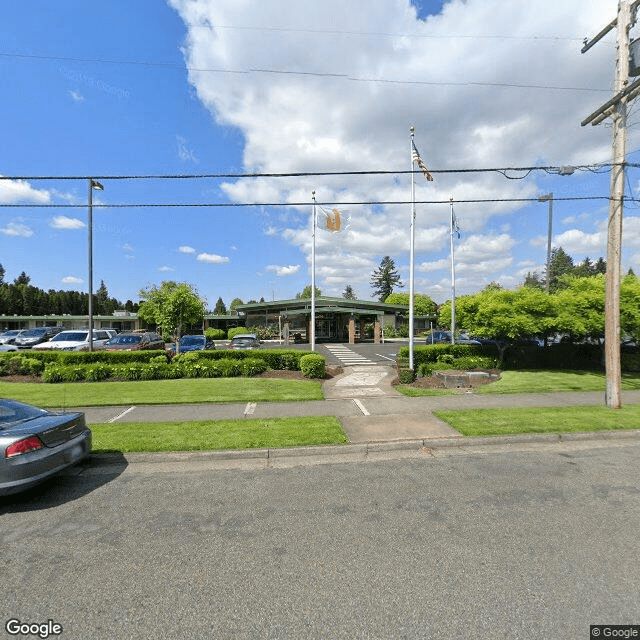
[{"x": 337, "y": 319}]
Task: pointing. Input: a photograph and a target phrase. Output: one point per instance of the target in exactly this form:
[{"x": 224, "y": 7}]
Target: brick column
[
  {"x": 352, "y": 331},
  {"x": 377, "y": 331}
]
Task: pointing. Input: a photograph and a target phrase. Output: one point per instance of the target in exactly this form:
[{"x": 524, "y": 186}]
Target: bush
[
  {"x": 20, "y": 365},
  {"x": 236, "y": 331},
  {"x": 253, "y": 366},
  {"x": 312, "y": 365},
  {"x": 215, "y": 334}
]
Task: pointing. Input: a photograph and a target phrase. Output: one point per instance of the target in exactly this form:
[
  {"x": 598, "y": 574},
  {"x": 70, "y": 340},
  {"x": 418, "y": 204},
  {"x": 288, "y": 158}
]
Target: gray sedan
[{"x": 36, "y": 443}]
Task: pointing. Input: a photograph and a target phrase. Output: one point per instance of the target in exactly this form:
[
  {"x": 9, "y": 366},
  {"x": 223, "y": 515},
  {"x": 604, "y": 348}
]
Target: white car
[
  {"x": 9, "y": 336},
  {"x": 77, "y": 340}
]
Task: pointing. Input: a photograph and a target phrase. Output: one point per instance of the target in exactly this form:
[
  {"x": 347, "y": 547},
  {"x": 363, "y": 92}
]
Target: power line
[
  {"x": 318, "y": 74},
  {"x": 290, "y": 204},
  {"x": 561, "y": 170}
]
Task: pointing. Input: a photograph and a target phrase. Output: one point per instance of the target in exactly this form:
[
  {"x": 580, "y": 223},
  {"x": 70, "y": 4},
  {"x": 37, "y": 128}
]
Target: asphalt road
[{"x": 526, "y": 541}]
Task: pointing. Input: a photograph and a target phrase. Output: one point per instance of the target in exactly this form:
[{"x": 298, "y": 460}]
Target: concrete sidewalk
[{"x": 367, "y": 405}]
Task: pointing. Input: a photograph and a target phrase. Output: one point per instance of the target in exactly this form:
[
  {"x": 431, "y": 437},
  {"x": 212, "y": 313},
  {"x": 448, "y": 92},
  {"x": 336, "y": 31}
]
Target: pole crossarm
[{"x": 608, "y": 107}]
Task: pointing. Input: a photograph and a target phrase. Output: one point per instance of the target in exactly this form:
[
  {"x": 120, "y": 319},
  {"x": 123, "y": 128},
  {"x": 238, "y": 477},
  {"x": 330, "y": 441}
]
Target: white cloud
[
  {"x": 186, "y": 249},
  {"x": 63, "y": 222},
  {"x": 184, "y": 152},
  {"x": 127, "y": 248},
  {"x": 19, "y": 191},
  {"x": 284, "y": 271},
  {"x": 212, "y": 258},
  {"x": 341, "y": 97},
  {"x": 16, "y": 229},
  {"x": 76, "y": 96},
  {"x": 72, "y": 280},
  {"x": 165, "y": 269}
]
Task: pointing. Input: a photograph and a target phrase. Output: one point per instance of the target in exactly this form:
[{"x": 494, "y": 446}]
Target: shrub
[
  {"x": 236, "y": 331},
  {"x": 253, "y": 366},
  {"x": 23, "y": 365},
  {"x": 312, "y": 365},
  {"x": 215, "y": 334},
  {"x": 97, "y": 372}
]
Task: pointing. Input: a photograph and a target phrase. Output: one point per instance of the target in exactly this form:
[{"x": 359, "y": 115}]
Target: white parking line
[
  {"x": 386, "y": 357},
  {"x": 120, "y": 415},
  {"x": 361, "y": 407}
]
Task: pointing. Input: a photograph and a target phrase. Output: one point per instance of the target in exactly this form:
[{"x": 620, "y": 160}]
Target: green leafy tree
[
  {"x": 422, "y": 305},
  {"x": 306, "y": 293},
  {"x": 172, "y": 307},
  {"x": 23, "y": 278},
  {"x": 630, "y": 306},
  {"x": 2, "y": 272},
  {"x": 580, "y": 306},
  {"x": 349, "y": 293},
  {"x": 385, "y": 278},
  {"x": 234, "y": 305},
  {"x": 534, "y": 280}
]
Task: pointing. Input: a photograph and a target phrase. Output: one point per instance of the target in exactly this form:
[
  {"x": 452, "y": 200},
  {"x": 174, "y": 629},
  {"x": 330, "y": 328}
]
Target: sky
[{"x": 128, "y": 92}]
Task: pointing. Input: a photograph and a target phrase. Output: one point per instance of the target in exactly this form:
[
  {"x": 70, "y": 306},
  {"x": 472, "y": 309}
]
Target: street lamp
[
  {"x": 93, "y": 184},
  {"x": 548, "y": 197}
]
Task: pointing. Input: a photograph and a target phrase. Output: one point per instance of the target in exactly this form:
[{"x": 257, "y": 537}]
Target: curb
[{"x": 364, "y": 448}]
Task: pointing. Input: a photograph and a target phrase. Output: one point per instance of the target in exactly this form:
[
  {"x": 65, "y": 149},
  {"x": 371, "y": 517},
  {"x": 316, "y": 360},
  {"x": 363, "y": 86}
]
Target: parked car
[
  {"x": 31, "y": 337},
  {"x": 8, "y": 337},
  {"x": 77, "y": 340},
  {"x": 244, "y": 341},
  {"x": 195, "y": 343},
  {"x": 35, "y": 444},
  {"x": 444, "y": 337},
  {"x": 134, "y": 341}
]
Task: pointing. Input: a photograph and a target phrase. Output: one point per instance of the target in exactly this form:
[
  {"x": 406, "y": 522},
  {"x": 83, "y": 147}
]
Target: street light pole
[
  {"x": 93, "y": 184},
  {"x": 549, "y": 197}
]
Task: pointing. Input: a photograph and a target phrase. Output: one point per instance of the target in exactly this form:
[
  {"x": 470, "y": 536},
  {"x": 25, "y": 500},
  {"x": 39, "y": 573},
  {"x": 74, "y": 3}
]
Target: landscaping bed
[{"x": 436, "y": 382}]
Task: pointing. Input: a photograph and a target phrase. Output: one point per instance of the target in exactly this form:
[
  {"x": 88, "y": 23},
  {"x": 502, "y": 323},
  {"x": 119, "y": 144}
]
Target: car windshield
[
  {"x": 11, "y": 411},
  {"x": 243, "y": 339},
  {"x": 34, "y": 332},
  {"x": 191, "y": 340},
  {"x": 125, "y": 340},
  {"x": 10, "y": 334},
  {"x": 72, "y": 336}
]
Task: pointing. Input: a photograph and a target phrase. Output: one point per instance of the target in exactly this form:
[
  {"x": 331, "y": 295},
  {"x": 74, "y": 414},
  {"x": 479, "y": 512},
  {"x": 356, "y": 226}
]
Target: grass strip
[
  {"x": 192, "y": 390},
  {"x": 498, "y": 422},
  {"x": 200, "y": 435},
  {"x": 534, "y": 382}
]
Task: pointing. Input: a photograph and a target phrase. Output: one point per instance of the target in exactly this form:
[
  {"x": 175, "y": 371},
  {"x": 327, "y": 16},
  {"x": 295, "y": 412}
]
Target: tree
[
  {"x": 171, "y": 306},
  {"x": 2, "y": 272},
  {"x": 349, "y": 293},
  {"x": 23, "y": 278},
  {"x": 220, "y": 309},
  {"x": 234, "y": 304},
  {"x": 560, "y": 264},
  {"x": 385, "y": 278},
  {"x": 422, "y": 305},
  {"x": 534, "y": 280},
  {"x": 306, "y": 293}
]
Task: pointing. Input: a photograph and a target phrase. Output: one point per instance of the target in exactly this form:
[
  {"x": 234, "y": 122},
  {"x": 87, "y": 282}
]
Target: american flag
[{"x": 418, "y": 160}]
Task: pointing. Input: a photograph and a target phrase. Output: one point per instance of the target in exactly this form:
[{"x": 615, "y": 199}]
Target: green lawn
[
  {"x": 536, "y": 382},
  {"x": 192, "y": 390},
  {"x": 497, "y": 422},
  {"x": 128, "y": 437}
]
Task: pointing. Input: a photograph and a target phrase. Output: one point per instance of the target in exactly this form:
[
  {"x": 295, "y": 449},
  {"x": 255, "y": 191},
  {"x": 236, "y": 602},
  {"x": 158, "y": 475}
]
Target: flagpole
[
  {"x": 411, "y": 249},
  {"x": 453, "y": 279},
  {"x": 312, "y": 328}
]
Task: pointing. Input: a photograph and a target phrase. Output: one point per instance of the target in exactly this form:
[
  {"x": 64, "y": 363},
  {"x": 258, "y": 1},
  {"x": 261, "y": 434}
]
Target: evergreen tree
[
  {"x": 385, "y": 278},
  {"x": 561, "y": 264},
  {"x": 220, "y": 309},
  {"x": 534, "y": 280},
  {"x": 600, "y": 266},
  {"x": 349, "y": 293},
  {"x": 234, "y": 304},
  {"x": 23, "y": 278},
  {"x": 2, "y": 272}
]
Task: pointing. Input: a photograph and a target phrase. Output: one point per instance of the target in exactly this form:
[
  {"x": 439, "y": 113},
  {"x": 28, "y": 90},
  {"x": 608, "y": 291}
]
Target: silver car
[{"x": 36, "y": 443}]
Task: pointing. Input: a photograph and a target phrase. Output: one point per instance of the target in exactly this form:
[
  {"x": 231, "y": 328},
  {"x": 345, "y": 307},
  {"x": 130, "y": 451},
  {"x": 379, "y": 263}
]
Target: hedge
[{"x": 312, "y": 365}]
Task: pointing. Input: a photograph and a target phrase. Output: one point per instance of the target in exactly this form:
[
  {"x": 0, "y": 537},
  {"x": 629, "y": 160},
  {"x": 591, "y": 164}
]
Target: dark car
[
  {"x": 444, "y": 337},
  {"x": 244, "y": 341},
  {"x": 32, "y": 337},
  {"x": 134, "y": 341},
  {"x": 35, "y": 444},
  {"x": 195, "y": 343}
]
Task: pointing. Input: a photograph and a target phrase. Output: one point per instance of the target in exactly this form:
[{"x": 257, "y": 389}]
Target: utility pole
[{"x": 616, "y": 108}]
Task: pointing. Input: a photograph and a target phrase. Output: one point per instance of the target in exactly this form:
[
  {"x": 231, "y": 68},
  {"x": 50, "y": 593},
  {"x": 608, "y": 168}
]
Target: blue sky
[{"x": 207, "y": 87}]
